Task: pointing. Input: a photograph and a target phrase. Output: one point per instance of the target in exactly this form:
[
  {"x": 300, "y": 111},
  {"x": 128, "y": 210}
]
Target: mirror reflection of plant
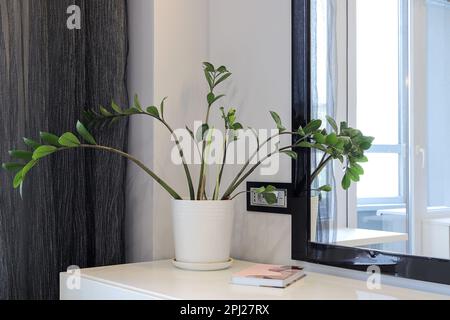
[{"x": 347, "y": 145}]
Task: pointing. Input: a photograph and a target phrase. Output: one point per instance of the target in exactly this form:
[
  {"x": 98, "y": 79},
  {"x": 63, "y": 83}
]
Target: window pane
[
  {"x": 377, "y": 45},
  {"x": 438, "y": 111},
  {"x": 381, "y": 178}
]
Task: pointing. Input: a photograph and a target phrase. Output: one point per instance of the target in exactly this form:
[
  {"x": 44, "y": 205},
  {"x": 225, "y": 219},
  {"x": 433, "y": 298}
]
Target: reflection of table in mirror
[{"x": 362, "y": 237}]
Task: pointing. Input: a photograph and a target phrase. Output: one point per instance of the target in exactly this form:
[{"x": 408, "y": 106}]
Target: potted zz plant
[{"x": 202, "y": 223}]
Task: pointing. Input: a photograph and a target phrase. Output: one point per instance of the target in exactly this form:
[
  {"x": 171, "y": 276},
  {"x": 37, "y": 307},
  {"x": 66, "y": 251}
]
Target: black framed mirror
[{"x": 391, "y": 219}]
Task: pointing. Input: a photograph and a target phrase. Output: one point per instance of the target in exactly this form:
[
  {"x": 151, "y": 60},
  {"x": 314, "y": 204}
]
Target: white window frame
[{"x": 401, "y": 149}]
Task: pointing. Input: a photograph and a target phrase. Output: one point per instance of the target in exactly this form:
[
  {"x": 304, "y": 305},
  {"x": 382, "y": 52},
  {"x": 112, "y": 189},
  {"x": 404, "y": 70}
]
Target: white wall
[
  {"x": 168, "y": 43},
  {"x": 253, "y": 39},
  {"x": 181, "y": 29},
  {"x": 138, "y": 224}
]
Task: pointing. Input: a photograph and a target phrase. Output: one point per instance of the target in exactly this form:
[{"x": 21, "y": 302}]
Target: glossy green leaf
[
  {"x": 222, "y": 69},
  {"x": 20, "y": 154},
  {"x": 346, "y": 182},
  {"x": 260, "y": 189},
  {"x": 68, "y": 139},
  {"x": 332, "y": 139},
  {"x": 362, "y": 159},
  {"x": 270, "y": 198},
  {"x": 344, "y": 125},
  {"x": 352, "y": 174},
  {"x": 291, "y": 154},
  {"x": 31, "y": 143},
  {"x": 332, "y": 124},
  {"x": 116, "y": 108},
  {"x": 223, "y": 78},
  {"x": 202, "y": 131},
  {"x": 301, "y": 132},
  {"x": 28, "y": 167},
  {"x": 105, "y": 112},
  {"x": 212, "y": 98},
  {"x": 153, "y": 111},
  {"x": 44, "y": 151},
  {"x": 304, "y": 144},
  {"x": 320, "y": 138},
  {"x": 50, "y": 139},
  {"x": 137, "y": 103},
  {"x": 270, "y": 188},
  {"x": 209, "y": 79},
  {"x": 209, "y": 67},
  {"x": 237, "y": 126},
  {"x": 162, "y": 106},
  {"x": 313, "y": 126},
  {"x": 277, "y": 120},
  {"x": 357, "y": 168},
  {"x": 17, "y": 182},
  {"x": 131, "y": 111},
  {"x": 13, "y": 167},
  {"x": 81, "y": 129},
  {"x": 326, "y": 188}
]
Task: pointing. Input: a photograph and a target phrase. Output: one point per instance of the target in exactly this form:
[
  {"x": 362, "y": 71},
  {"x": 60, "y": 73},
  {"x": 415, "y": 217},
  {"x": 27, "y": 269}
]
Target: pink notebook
[{"x": 266, "y": 275}]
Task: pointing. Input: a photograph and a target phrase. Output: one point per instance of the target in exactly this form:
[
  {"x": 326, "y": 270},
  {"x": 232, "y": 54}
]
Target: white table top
[
  {"x": 363, "y": 237},
  {"x": 160, "y": 279}
]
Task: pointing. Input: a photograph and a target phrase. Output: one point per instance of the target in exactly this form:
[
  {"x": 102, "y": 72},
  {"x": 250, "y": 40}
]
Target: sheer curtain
[{"x": 323, "y": 82}]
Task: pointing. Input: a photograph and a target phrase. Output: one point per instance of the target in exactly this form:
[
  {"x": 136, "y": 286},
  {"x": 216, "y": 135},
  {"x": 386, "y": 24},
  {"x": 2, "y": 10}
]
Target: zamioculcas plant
[{"x": 344, "y": 144}]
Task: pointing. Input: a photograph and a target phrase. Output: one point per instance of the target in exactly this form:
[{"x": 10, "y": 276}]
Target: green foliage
[
  {"x": 13, "y": 167},
  {"x": 268, "y": 193},
  {"x": 277, "y": 120},
  {"x": 342, "y": 143},
  {"x": 291, "y": 154},
  {"x": 50, "y": 139},
  {"x": 345, "y": 144},
  {"x": 20, "y": 154},
  {"x": 31, "y": 143},
  {"x": 152, "y": 110},
  {"x": 44, "y": 151},
  {"x": 51, "y": 144},
  {"x": 69, "y": 140},
  {"x": 81, "y": 129}
]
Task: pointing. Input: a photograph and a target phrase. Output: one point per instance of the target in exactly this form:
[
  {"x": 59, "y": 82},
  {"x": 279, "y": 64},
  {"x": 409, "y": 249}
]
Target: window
[{"x": 379, "y": 36}]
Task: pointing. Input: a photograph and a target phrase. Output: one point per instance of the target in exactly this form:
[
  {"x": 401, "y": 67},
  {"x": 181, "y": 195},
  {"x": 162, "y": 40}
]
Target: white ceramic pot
[
  {"x": 202, "y": 231},
  {"x": 314, "y": 215}
]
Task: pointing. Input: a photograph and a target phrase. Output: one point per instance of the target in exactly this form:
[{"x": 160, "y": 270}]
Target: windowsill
[{"x": 362, "y": 237}]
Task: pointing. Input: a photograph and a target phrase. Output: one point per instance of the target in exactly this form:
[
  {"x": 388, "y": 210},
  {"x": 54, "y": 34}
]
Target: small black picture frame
[{"x": 405, "y": 266}]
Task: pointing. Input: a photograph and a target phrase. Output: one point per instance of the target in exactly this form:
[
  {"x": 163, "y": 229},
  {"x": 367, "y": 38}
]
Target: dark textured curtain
[{"x": 72, "y": 212}]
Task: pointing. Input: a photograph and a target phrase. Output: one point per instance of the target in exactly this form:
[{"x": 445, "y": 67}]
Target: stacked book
[{"x": 266, "y": 275}]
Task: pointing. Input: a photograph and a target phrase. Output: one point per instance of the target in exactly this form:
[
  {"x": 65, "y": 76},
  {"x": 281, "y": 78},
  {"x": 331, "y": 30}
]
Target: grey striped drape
[{"x": 73, "y": 207}]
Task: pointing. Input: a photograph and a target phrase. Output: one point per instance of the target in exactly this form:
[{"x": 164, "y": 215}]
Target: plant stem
[
  {"x": 163, "y": 184},
  {"x": 183, "y": 159},
  {"x": 178, "y": 144},
  {"x": 224, "y": 159},
  {"x": 228, "y": 193},
  {"x": 238, "y": 194},
  {"x": 323, "y": 163},
  {"x": 202, "y": 179}
]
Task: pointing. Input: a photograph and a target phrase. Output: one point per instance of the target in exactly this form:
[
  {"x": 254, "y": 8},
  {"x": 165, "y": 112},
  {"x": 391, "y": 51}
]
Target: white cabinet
[{"x": 161, "y": 280}]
